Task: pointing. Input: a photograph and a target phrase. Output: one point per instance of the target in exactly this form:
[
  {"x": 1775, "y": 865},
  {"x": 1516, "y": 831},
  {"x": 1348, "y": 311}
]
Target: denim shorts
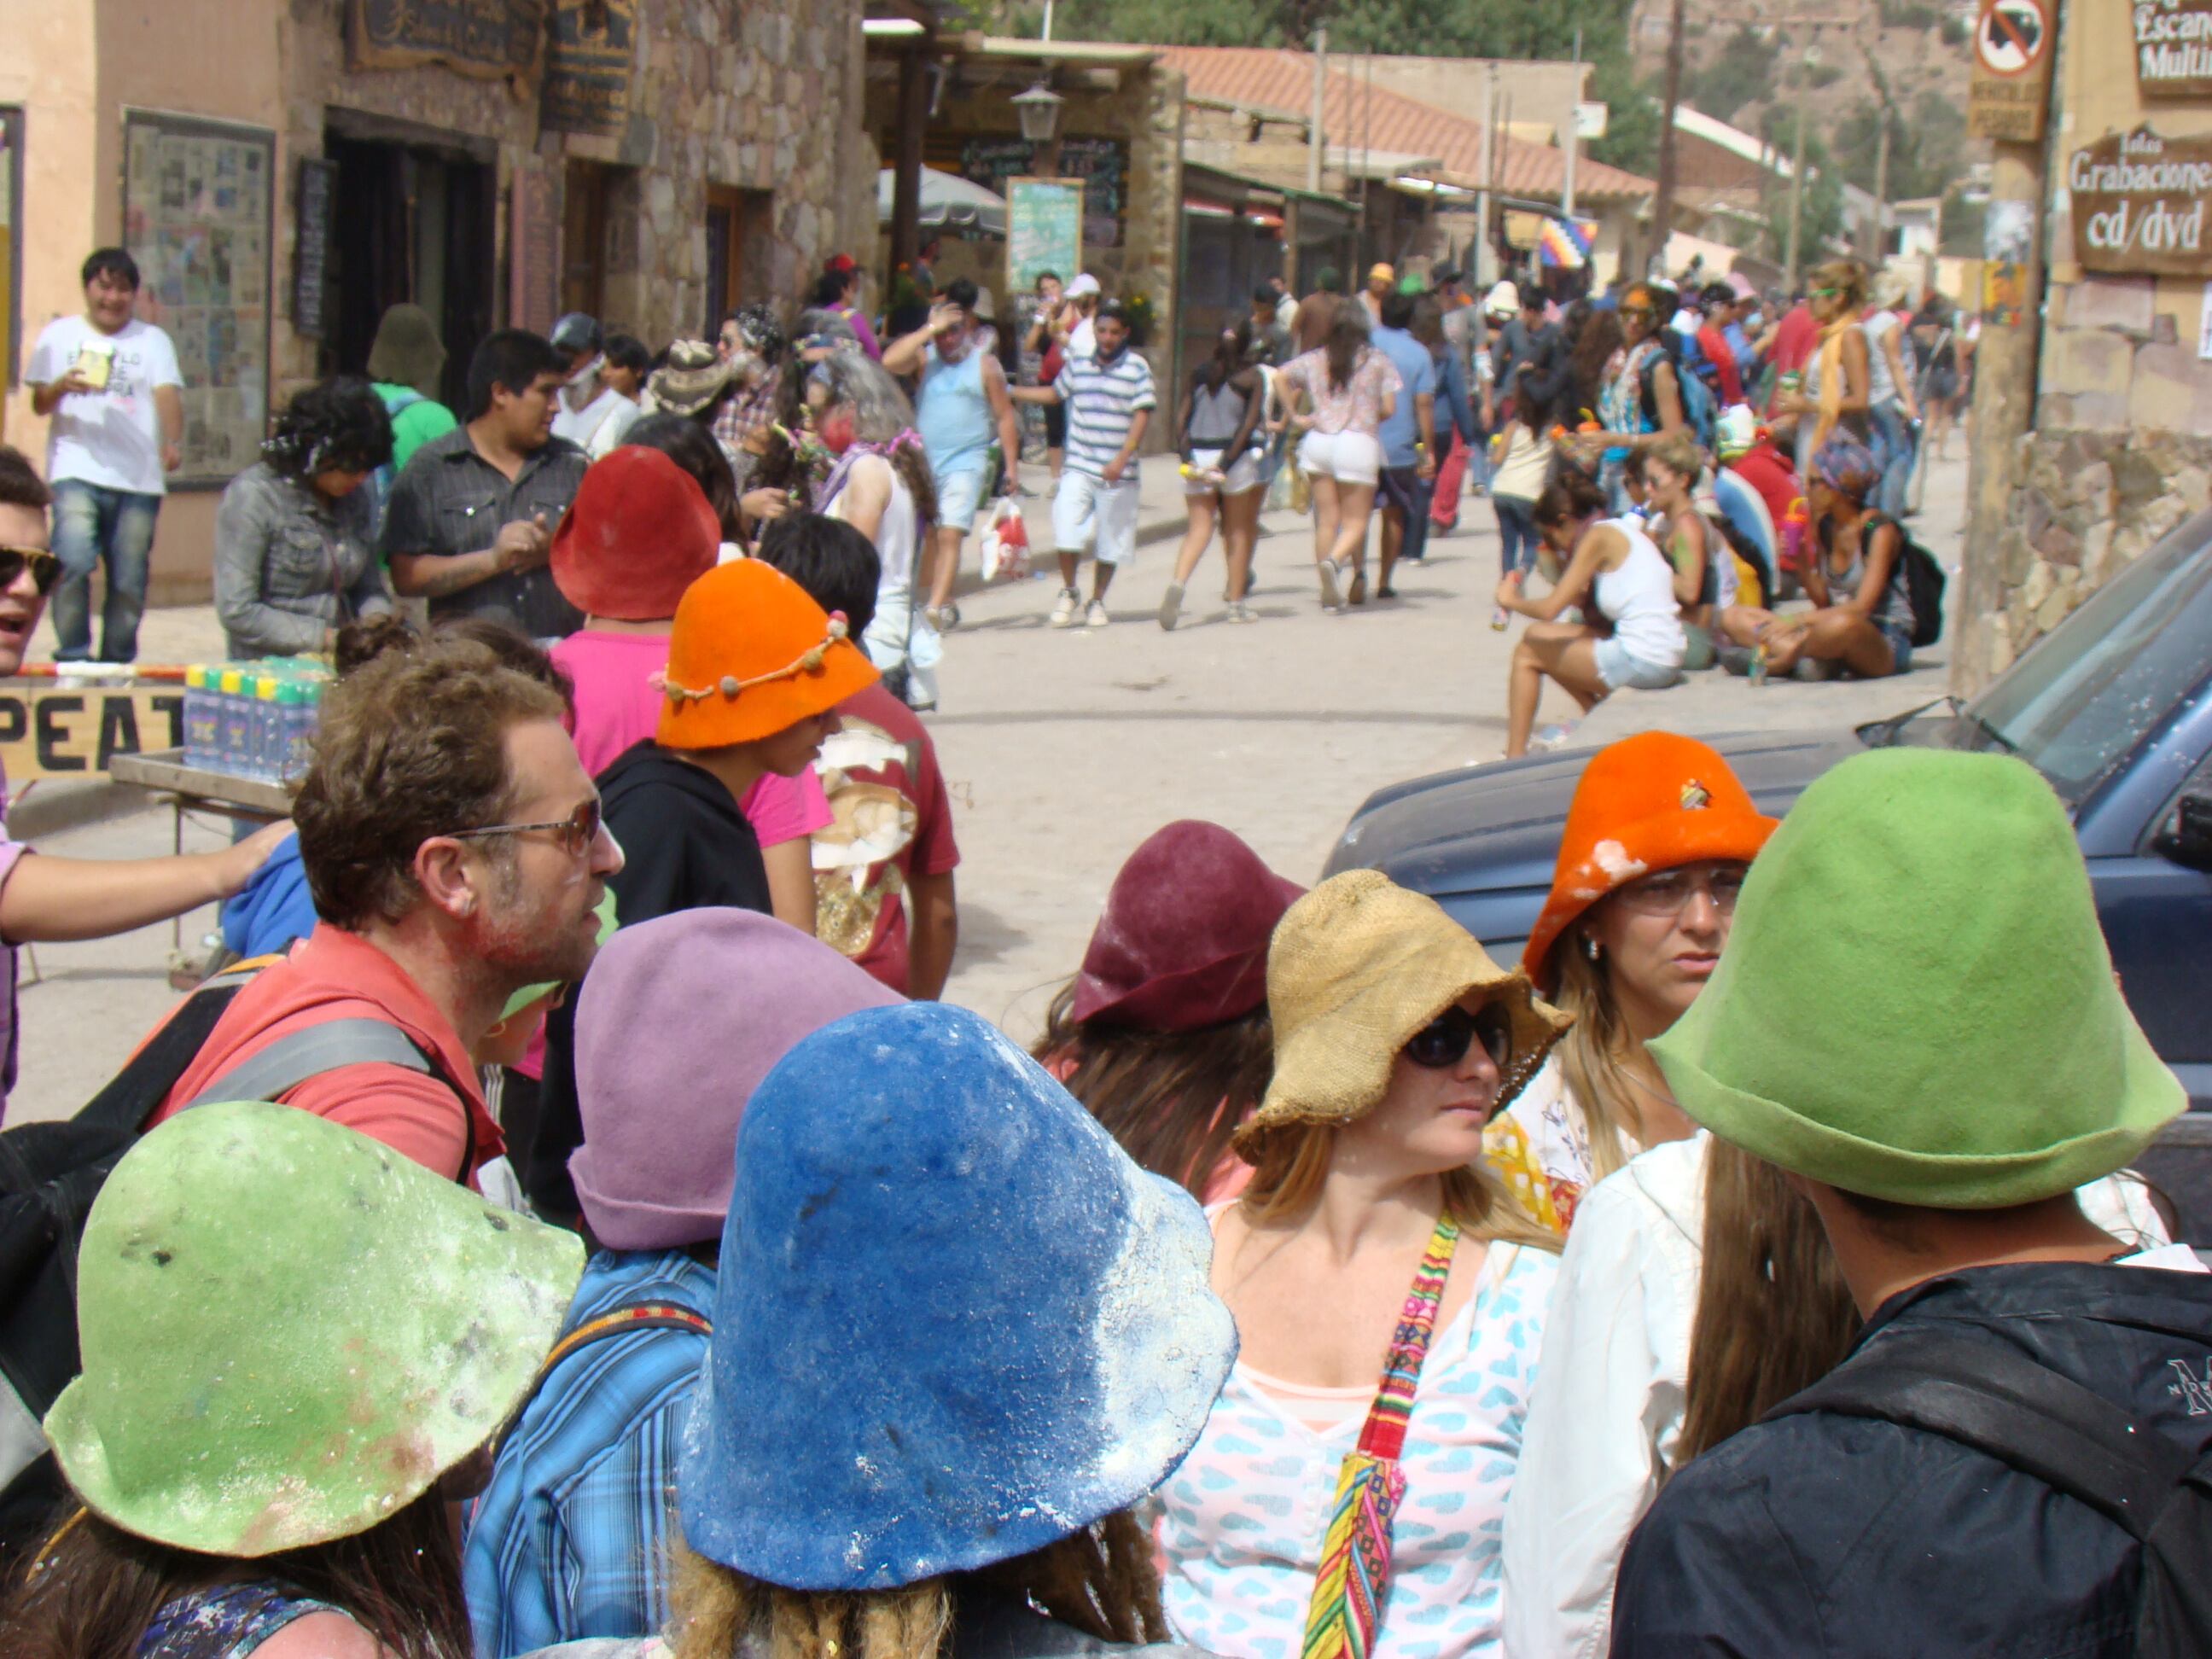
[
  {"x": 959, "y": 494},
  {"x": 1617, "y": 666},
  {"x": 1901, "y": 643}
]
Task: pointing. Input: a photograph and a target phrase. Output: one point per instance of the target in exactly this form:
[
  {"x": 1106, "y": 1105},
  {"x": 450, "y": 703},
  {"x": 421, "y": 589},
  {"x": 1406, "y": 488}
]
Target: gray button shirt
[
  {"x": 449, "y": 500},
  {"x": 290, "y": 564}
]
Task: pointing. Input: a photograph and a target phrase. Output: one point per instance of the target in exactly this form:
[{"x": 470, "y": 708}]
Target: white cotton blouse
[{"x": 1605, "y": 1413}]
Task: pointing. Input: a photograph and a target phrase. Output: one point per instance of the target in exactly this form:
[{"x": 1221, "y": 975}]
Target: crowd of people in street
[{"x": 574, "y": 1226}]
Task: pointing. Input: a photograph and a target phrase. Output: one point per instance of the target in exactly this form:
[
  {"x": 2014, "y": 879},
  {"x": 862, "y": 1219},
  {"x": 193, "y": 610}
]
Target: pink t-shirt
[
  {"x": 617, "y": 706},
  {"x": 1355, "y": 406}
]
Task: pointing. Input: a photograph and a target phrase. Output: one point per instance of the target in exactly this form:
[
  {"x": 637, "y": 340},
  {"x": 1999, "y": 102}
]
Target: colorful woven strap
[
  {"x": 1355, "y": 1551},
  {"x": 639, "y": 1316}
]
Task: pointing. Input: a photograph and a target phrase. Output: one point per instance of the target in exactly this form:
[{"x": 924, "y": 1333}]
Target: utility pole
[
  {"x": 1874, "y": 242},
  {"x": 1574, "y": 129},
  {"x": 1797, "y": 166},
  {"x": 1485, "y": 168},
  {"x": 1313, "y": 137},
  {"x": 1663, "y": 206}
]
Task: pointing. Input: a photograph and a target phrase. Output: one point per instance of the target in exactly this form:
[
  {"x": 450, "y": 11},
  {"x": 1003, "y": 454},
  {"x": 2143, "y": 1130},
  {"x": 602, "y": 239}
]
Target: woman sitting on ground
[
  {"x": 1861, "y": 620},
  {"x": 1340, "y": 395},
  {"x": 341, "y": 1332},
  {"x": 296, "y": 535},
  {"x": 1164, "y": 1035},
  {"x": 1612, "y": 569},
  {"x": 1707, "y": 581},
  {"x": 1397, "y": 1039}
]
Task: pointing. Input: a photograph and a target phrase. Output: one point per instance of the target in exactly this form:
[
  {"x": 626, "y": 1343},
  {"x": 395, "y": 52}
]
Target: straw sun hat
[{"x": 1356, "y": 968}]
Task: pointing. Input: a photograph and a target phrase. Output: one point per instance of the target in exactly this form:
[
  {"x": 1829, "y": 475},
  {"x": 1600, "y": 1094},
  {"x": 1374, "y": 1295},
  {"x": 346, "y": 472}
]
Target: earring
[{"x": 1590, "y": 947}]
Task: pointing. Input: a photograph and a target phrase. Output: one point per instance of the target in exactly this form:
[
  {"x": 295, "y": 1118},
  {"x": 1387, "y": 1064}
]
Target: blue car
[{"x": 2114, "y": 707}]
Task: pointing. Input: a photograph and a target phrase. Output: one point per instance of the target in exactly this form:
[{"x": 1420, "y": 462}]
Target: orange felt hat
[
  {"x": 1654, "y": 801},
  {"x": 752, "y": 655}
]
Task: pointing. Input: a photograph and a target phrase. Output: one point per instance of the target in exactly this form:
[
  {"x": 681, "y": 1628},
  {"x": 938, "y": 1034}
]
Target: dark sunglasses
[
  {"x": 578, "y": 832},
  {"x": 46, "y": 568},
  {"x": 1446, "y": 1039}
]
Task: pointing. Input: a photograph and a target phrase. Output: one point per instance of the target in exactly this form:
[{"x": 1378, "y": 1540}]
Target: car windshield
[{"x": 2078, "y": 703}]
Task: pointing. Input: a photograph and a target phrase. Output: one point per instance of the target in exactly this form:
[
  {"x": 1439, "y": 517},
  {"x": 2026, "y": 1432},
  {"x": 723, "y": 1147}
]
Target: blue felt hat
[{"x": 954, "y": 1321}]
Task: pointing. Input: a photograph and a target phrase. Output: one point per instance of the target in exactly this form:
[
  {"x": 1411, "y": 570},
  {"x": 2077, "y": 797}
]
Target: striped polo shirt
[{"x": 1101, "y": 399}]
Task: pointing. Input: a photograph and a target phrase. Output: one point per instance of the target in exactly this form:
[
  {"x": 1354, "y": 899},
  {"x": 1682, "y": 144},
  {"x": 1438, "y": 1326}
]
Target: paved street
[{"x": 1062, "y": 750}]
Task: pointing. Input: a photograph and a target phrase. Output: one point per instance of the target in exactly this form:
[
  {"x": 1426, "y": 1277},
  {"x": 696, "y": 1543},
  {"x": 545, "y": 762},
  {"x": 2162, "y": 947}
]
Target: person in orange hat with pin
[{"x": 1658, "y": 838}]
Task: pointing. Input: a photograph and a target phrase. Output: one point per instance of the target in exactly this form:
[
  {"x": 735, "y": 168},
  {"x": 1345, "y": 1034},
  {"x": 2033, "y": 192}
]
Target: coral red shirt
[
  {"x": 336, "y": 975},
  {"x": 1721, "y": 355}
]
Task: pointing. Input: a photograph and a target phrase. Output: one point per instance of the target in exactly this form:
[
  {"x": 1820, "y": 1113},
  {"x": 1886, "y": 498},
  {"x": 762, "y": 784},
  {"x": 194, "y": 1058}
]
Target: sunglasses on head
[
  {"x": 46, "y": 568},
  {"x": 577, "y": 832},
  {"x": 1445, "y": 1040},
  {"x": 1637, "y": 311}
]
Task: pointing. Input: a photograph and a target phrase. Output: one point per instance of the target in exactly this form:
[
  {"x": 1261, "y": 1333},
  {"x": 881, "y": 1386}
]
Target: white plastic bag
[{"x": 1006, "y": 544}]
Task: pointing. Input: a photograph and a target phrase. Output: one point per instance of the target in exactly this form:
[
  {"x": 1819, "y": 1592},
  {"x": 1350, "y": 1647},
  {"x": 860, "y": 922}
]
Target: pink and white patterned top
[
  {"x": 1242, "y": 1518},
  {"x": 1355, "y": 406}
]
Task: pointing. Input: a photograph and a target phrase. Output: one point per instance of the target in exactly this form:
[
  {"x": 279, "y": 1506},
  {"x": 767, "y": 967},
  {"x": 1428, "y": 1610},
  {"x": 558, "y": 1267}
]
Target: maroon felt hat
[
  {"x": 639, "y": 532},
  {"x": 1183, "y": 941}
]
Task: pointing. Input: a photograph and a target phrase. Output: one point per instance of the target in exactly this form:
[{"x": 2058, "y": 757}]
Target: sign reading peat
[
  {"x": 2173, "y": 48},
  {"x": 50, "y": 731},
  {"x": 2139, "y": 203}
]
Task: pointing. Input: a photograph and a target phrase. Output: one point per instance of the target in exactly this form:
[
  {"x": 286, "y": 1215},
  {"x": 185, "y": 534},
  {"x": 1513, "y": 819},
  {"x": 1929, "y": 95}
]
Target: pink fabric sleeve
[{"x": 782, "y": 809}]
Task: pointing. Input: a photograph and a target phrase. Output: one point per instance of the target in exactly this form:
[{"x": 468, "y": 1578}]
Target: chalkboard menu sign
[
  {"x": 317, "y": 186},
  {"x": 1100, "y": 164},
  {"x": 1044, "y": 230}
]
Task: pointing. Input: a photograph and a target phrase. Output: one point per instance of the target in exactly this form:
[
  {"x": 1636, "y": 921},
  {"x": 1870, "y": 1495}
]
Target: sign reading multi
[
  {"x": 2139, "y": 203},
  {"x": 2173, "y": 48}
]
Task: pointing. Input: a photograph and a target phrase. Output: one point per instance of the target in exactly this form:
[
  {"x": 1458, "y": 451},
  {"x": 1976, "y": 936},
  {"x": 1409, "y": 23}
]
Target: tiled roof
[{"x": 1354, "y": 113}]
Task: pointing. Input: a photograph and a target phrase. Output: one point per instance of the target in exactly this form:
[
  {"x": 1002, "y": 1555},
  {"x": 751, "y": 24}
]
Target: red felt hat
[
  {"x": 1183, "y": 940},
  {"x": 1654, "y": 801},
  {"x": 838, "y": 264},
  {"x": 639, "y": 532}
]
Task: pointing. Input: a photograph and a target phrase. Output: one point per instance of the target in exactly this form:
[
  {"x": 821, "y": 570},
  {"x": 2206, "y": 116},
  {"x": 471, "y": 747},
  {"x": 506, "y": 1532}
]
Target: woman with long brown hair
[
  {"x": 1219, "y": 436},
  {"x": 1837, "y": 397},
  {"x": 1639, "y": 397},
  {"x": 1164, "y": 1035},
  {"x": 1697, "y": 1289},
  {"x": 1339, "y": 396},
  {"x": 1397, "y": 1039},
  {"x": 295, "y": 1348}
]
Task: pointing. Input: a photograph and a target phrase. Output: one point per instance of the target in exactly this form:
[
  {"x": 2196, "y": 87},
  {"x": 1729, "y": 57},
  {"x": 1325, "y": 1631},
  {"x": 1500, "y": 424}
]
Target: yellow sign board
[{"x": 51, "y": 729}]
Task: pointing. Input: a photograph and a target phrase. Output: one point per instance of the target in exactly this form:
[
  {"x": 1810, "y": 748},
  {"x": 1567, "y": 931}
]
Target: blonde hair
[
  {"x": 1590, "y": 1055},
  {"x": 1291, "y": 1162},
  {"x": 1678, "y": 454},
  {"x": 1100, "y": 1580},
  {"x": 1849, "y": 278}
]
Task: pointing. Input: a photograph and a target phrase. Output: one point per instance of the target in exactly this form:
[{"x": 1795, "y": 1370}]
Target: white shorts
[
  {"x": 1244, "y": 476},
  {"x": 1352, "y": 457},
  {"x": 1087, "y": 508},
  {"x": 959, "y": 494}
]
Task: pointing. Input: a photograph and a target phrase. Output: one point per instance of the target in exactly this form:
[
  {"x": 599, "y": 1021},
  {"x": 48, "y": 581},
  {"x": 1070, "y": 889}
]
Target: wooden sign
[
  {"x": 488, "y": 38},
  {"x": 588, "y": 51},
  {"x": 2139, "y": 203},
  {"x": 2011, "y": 88},
  {"x": 533, "y": 251},
  {"x": 2173, "y": 48},
  {"x": 58, "y": 730},
  {"x": 1044, "y": 230},
  {"x": 314, "y": 198}
]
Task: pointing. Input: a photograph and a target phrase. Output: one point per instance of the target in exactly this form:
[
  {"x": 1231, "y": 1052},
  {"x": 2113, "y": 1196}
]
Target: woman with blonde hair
[
  {"x": 957, "y": 1334},
  {"x": 1319, "y": 1513},
  {"x": 1837, "y": 397}
]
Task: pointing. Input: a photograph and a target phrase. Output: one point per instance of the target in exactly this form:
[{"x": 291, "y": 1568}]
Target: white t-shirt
[
  {"x": 600, "y": 425},
  {"x": 1083, "y": 339},
  {"x": 112, "y": 438}
]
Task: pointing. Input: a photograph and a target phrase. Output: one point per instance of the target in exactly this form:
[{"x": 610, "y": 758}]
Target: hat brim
[
  {"x": 762, "y": 711},
  {"x": 1355, "y": 1049},
  {"x": 1692, "y": 837},
  {"x": 2151, "y": 1097}
]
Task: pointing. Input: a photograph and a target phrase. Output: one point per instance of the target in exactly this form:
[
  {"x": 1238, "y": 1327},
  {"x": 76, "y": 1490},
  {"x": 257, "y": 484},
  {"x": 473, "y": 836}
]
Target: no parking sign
[{"x": 2012, "y": 71}]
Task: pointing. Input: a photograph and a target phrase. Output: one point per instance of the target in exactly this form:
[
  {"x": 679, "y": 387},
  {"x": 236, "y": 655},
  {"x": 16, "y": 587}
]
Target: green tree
[
  {"x": 1633, "y": 117},
  {"x": 1741, "y": 73}
]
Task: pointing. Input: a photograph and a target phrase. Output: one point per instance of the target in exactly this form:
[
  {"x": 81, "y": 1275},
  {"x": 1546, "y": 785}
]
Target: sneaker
[
  {"x": 942, "y": 617},
  {"x": 1241, "y": 612},
  {"x": 1171, "y": 606},
  {"x": 1332, "y": 598},
  {"x": 1064, "y": 613},
  {"x": 1552, "y": 737},
  {"x": 1358, "y": 593},
  {"x": 1095, "y": 617}
]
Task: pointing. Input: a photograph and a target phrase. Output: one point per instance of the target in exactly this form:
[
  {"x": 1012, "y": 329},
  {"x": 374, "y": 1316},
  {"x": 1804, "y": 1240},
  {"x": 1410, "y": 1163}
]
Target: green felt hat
[
  {"x": 1916, "y": 1003},
  {"x": 290, "y": 1331}
]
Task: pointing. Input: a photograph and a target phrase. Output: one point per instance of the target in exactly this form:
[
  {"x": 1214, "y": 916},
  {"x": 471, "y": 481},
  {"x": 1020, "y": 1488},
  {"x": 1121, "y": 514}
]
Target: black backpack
[
  {"x": 1990, "y": 1396},
  {"x": 1924, "y": 582},
  {"x": 50, "y": 1173}
]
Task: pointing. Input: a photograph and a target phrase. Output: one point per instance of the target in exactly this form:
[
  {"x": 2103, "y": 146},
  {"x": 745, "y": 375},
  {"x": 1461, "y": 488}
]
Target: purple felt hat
[
  {"x": 677, "y": 1022},
  {"x": 1184, "y": 940}
]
